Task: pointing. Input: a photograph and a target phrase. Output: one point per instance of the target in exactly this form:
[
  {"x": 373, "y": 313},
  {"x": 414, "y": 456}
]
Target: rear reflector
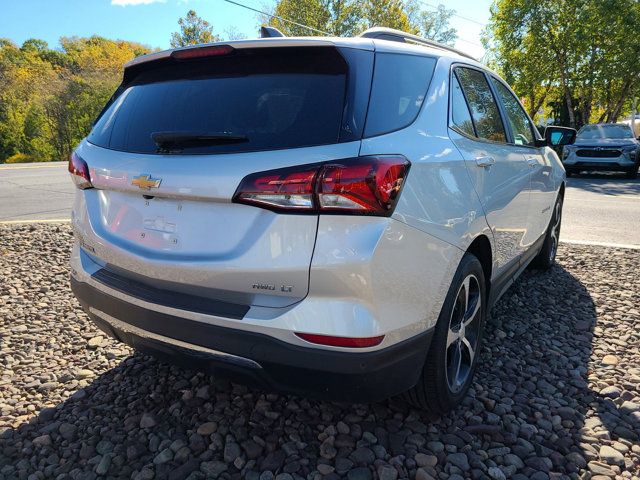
[
  {"x": 349, "y": 342},
  {"x": 200, "y": 52},
  {"x": 361, "y": 186},
  {"x": 79, "y": 172}
]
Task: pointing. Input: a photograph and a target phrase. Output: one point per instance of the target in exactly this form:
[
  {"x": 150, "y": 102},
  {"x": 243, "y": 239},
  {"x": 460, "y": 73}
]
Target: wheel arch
[{"x": 481, "y": 249}]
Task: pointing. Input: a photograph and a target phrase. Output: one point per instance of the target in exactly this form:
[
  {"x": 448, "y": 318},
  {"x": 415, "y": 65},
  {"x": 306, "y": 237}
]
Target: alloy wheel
[{"x": 463, "y": 334}]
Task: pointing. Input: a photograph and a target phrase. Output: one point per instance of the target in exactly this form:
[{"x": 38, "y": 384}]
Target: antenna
[{"x": 270, "y": 32}]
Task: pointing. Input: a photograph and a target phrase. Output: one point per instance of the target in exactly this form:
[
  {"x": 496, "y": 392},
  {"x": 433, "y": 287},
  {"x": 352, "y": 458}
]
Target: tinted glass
[
  {"x": 400, "y": 83},
  {"x": 460, "y": 110},
  {"x": 518, "y": 119},
  {"x": 592, "y": 132},
  {"x": 484, "y": 110},
  {"x": 276, "y": 99}
]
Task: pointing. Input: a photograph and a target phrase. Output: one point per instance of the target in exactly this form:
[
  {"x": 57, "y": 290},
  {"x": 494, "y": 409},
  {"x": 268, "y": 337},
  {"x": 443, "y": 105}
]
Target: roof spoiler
[{"x": 393, "y": 35}]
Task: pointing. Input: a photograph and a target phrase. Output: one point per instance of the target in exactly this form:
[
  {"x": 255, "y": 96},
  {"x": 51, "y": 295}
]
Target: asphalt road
[
  {"x": 599, "y": 208},
  {"x": 35, "y": 191}
]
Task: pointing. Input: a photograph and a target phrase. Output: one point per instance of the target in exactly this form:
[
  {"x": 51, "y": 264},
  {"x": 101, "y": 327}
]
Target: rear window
[
  {"x": 400, "y": 83},
  {"x": 270, "y": 98}
]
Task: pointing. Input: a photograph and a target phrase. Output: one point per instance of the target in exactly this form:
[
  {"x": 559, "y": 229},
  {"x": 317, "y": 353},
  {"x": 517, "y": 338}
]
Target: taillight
[
  {"x": 79, "y": 172},
  {"x": 287, "y": 189},
  {"x": 200, "y": 52},
  {"x": 361, "y": 186},
  {"x": 349, "y": 342}
]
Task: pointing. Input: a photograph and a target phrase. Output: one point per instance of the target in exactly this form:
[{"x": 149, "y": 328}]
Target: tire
[
  {"x": 633, "y": 173},
  {"x": 547, "y": 255},
  {"x": 434, "y": 392}
]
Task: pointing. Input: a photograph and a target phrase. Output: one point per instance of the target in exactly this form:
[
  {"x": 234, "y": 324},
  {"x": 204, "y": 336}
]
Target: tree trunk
[
  {"x": 615, "y": 112},
  {"x": 569, "y": 102}
]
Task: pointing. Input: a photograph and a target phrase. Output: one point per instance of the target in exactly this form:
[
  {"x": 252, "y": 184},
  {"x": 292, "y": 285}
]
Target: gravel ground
[{"x": 557, "y": 393}]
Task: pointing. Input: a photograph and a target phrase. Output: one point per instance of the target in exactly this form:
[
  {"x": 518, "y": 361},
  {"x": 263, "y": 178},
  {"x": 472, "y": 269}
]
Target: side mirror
[{"x": 559, "y": 136}]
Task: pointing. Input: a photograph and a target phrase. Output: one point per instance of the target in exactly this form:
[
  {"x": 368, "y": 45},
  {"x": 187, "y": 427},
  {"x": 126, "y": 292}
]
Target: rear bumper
[{"x": 257, "y": 359}]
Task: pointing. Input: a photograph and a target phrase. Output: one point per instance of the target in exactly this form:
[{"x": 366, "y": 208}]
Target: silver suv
[
  {"x": 603, "y": 146},
  {"x": 322, "y": 216}
]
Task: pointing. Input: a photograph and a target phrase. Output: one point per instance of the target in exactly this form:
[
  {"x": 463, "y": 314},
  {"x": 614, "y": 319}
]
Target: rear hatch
[{"x": 170, "y": 149}]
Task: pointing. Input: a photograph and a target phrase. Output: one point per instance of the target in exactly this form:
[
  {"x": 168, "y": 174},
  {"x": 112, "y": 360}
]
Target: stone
[
  {"x": 207, "y": 428},
  {"x": 611, "y": 456}
]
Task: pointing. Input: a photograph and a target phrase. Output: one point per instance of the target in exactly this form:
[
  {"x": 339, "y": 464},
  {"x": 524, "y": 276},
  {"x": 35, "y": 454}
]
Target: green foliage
[
  {"x": 193, "y": 30},
  {"x": 578, "y": 58},
  {"x": 21, "y": 158},
  {"x": 351, "y": 17},
  {"x": 49, "y": 98}
]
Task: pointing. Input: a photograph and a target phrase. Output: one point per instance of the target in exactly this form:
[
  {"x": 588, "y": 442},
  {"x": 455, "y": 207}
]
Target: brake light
[
  {"x": 364, "y": 186},
  {"x": 199, "y": 52},
  {"x": 79, "y": 172},
  {"x": 349, "y": 342},
  {"x": 283, "y": 189}
]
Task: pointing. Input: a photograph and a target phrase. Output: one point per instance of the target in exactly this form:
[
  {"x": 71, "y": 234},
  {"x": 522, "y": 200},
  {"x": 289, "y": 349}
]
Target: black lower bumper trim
[{"x": 325, "y": 374}]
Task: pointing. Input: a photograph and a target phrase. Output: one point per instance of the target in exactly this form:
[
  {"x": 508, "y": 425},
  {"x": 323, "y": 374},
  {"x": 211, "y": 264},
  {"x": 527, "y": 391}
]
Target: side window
[
  {"x": 400, "y": 83},
  {"x": 484, "y": 110},
  {"x": 460, "y": 110},
  {"x": 518, "y": 120}
]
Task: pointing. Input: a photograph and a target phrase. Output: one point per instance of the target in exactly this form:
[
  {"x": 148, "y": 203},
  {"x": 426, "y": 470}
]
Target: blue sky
[{"x": 151, "y": 21}]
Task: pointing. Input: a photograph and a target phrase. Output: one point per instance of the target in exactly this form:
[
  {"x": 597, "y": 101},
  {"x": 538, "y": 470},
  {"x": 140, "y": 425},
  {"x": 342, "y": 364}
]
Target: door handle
[
  {"x": 532, "y": 162},
  {"x": 485, "y": 161}
]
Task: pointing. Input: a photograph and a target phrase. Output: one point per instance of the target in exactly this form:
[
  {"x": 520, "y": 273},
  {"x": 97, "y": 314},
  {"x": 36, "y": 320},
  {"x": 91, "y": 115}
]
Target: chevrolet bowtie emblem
[{"x": 145, "y": 182}]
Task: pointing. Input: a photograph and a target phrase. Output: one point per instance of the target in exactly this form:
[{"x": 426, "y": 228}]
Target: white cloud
[{"x": 124, "y": 3}]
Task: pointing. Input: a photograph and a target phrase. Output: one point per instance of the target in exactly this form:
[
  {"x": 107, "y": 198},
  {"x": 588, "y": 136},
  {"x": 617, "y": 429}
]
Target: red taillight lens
[
  {"x": 285, "y": 189},
  {"x": 349, "y": 342},
  {"x": 199, "y": 52},
  {"x": 365, "y": 186},
  {"x": 368, "y": 185},
  {"x": 79, "y": 172}
]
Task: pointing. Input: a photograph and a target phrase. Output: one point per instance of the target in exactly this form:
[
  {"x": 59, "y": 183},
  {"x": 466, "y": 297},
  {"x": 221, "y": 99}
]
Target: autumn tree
[
  {"x": 193, "y": 30},
  {"x": 50, "y": 97}
]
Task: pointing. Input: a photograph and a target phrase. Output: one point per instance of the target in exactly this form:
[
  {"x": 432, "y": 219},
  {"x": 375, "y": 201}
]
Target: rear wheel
[
  {"x": 452, "y": 358},
  {"x": 547, "y": 255}
]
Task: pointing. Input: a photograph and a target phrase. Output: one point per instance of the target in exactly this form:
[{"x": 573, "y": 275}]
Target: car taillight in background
[
  {"x": 79, "y": 172},
  {"x": 360, "y": 186}
]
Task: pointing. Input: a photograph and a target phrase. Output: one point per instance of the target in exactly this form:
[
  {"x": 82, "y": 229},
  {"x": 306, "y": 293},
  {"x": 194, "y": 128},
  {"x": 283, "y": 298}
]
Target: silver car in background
[
  {"x": 605, "y": 146},
  {"x": 321, "y": 216}
]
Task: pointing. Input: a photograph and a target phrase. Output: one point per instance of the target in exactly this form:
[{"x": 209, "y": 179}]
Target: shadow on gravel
[{"x": 530, "y": 414}]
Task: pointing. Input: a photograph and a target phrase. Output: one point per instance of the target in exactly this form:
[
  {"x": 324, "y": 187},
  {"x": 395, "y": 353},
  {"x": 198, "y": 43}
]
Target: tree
[
  {"x": 49, "y": 98},
  {"x": 333, "y": 17},
  {"x": 388, "y": 13},
  {"x": 350, "y": 17},
  {"x": 435, "y": 25},
  {"x": 193, "y": 30},
  {"x": 558, "y": 54}
]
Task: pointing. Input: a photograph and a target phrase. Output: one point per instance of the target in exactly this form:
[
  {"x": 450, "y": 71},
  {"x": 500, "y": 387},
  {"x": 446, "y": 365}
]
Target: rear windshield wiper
[{"x": 171, "y": 141}]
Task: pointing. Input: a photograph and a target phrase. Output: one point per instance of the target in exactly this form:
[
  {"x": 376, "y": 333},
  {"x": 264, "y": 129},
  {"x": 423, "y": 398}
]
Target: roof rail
[{"x": 394, "y": 35}]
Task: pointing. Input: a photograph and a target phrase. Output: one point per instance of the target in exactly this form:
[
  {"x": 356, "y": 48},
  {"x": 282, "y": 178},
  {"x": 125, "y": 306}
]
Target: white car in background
[{"x": 322, "y": 216}]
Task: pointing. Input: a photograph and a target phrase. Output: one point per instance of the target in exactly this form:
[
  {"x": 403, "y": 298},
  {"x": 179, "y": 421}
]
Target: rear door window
[
  {"x": 269, "y": 98},
  {"x": 400, "y": 84},
  {"x": 484, "y": 109}
]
